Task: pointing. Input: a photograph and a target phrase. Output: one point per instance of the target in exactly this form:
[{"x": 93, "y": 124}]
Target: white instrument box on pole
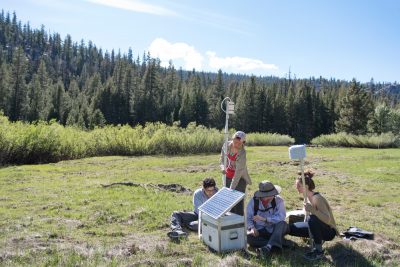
[{"x": 297, "y": 152}]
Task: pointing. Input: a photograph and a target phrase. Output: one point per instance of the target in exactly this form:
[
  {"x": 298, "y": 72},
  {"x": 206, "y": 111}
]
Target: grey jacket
[
  {"x": 239, "y": 165},
  {"x": 199, "y": 197}
]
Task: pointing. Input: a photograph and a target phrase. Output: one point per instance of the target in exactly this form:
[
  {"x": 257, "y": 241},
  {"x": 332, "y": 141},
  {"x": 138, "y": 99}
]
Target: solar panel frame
[{"x": 222, "y": 202}]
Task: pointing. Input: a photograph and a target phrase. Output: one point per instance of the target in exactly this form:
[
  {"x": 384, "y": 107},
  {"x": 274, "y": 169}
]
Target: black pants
[
  {"x": 319, "y": 230},
  {"x": 239, "y": 208},
  {"x": 182, "y": 218}
]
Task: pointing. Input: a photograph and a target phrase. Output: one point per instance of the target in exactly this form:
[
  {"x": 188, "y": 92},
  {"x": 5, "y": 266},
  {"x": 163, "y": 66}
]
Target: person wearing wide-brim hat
[{"x": 266, "y": 215}]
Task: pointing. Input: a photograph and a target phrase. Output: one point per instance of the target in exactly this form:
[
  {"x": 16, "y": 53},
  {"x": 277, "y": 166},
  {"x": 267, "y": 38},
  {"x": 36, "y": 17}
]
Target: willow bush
[
  {"x": 271, "y": 139},
  {"x": 41, "y": 142},
  {"x": 384, "y": 140}
]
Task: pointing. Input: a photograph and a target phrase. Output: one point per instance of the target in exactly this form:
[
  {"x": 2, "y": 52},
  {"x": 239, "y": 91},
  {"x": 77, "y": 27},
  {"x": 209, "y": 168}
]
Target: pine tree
[
  {"x": 4, "y": 88},
  {"x": 303, "y": 127},
  {"x": 150, "y": 89},
  {"x": 97, "y": 119},
  {"x": 355, "y": 110},
  {"x": 260, "y": 102},
  {"x": 19, "y": 98},
  {"x": 199, "y": 102},
  {"x": 39, "y": 95},
  {"x": 215, "y": 97},
  {"x": 59, "y": 102},
  {"x": 246, "y": 112},
  {"x": 170, "y": 101},
  {"x": 279, "y": 116},
  {"x": 186, "y": 112}
]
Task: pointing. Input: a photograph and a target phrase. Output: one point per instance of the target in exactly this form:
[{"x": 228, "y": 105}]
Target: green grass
[{"x": 58, "y": 214}]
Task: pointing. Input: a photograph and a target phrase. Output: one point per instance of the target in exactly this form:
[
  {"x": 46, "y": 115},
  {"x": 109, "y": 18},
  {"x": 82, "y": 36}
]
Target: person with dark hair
[
  {"x": 321, "y": 223},
  {"x": 190, "y": 219},
  {"x": 236, "y": 174}
]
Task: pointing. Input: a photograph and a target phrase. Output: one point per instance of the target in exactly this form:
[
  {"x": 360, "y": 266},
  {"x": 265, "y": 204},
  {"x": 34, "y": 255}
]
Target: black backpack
[
  {"x": 353, "y": 233},
  {"x": 257, "y": 203}
]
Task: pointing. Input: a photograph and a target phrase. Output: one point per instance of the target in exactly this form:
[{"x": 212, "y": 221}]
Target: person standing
[
  {"x": 236, "y": 174},
  {"x": 321, "y": 222}
]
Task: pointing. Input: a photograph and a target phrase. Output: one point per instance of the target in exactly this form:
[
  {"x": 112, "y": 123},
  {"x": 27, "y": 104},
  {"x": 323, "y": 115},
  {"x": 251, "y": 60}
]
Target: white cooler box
[{"x": 226, "y": 233}]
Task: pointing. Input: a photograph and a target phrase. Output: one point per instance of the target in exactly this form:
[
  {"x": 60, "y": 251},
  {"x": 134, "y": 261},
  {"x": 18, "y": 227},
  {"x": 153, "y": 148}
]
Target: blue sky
[{"x": 333, "y": 39}]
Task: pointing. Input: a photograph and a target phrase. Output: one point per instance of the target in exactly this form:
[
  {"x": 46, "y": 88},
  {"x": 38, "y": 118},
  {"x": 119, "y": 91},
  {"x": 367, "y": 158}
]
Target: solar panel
[{"x": 220, "y": 203}]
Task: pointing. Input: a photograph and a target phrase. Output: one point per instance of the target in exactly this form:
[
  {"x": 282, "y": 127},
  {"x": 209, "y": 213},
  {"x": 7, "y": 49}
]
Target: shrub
[
  {"x": 40, "y": 142},
  {"x": 384, "y": 140}
]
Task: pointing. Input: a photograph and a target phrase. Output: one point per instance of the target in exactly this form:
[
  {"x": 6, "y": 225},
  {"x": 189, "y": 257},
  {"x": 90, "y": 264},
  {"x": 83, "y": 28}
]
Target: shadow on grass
[
  {"x": 343, "y": 255},
  {"x": 338, "y": 255}
]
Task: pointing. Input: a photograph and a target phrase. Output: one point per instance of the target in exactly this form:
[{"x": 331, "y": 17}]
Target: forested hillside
[{"x": 44, "y": 76}]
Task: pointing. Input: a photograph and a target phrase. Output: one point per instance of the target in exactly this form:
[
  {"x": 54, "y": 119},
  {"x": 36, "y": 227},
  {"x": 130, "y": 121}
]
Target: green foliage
[
  {"x": 44, "y": 77},
  {"x": 51, "y": 142},
  {"x": 380, "y": 121},
  {"x": 355, "y": 110},
  {"x": 384, "y": 140},
  {"x": 272, "y": 139},
  {"x": 385, "y": 120}
]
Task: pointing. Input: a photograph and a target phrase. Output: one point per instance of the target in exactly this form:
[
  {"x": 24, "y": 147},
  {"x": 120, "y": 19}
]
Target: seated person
[
  {"x": 189, "y": 219},
  {"x": 266, "y": 219},
  {"x": 321, "y": 223}
]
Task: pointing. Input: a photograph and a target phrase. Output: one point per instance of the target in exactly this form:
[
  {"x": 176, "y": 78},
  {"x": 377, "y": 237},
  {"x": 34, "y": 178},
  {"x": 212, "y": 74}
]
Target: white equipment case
[
  {"x": 220, "y": 229},
  {"x": 226, "y": 233}
]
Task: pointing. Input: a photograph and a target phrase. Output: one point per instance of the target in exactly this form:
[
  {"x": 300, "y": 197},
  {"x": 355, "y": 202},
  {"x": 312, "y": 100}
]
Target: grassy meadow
[{"x": 59, "y": 214}]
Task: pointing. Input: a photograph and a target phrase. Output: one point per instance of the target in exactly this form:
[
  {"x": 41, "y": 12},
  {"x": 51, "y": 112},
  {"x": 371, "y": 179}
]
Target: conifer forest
[{"x": 44, "y": 77}]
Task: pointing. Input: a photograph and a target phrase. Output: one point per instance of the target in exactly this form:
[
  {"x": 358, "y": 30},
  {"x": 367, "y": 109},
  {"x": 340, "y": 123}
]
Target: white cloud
[
  {"x": 186, "y": 56},
  {"x": 135, "y": 5},
  {"x": 166, "y": 51},
  {"x": 238, "y": 64}
]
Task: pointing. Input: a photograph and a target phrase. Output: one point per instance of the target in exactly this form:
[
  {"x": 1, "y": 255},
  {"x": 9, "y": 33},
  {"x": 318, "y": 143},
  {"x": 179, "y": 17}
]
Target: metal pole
[
  {"x": 304, "y": 185},
  {"x": 199, "y": 224},
  {"x": 305, "y": 200},
  {"x": 245, "y": 229},
  {"x": 225, "y": 149},
  {"x": 225, "y": 146}
]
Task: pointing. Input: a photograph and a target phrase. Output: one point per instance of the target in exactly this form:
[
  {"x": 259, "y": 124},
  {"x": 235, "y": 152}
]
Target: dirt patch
[
  {"x": 137, "y": 244},
  {"x": 181, "y": 262},
  {"x": 277, "y": 163},
  {"x": 176, "y": 188},
  {"x": 341, "y": 178},
  {"x": 189, "y": 169},
  {"x": 234, "y": 260}
]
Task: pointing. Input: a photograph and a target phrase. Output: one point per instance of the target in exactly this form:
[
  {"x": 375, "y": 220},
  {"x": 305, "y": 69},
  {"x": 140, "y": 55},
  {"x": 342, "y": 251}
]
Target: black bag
[{"x": 353, "y": 233}]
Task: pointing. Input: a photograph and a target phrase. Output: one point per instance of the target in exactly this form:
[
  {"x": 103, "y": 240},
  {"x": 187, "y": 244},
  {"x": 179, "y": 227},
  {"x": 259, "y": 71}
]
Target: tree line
[{"x": 44, "y": 77}]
